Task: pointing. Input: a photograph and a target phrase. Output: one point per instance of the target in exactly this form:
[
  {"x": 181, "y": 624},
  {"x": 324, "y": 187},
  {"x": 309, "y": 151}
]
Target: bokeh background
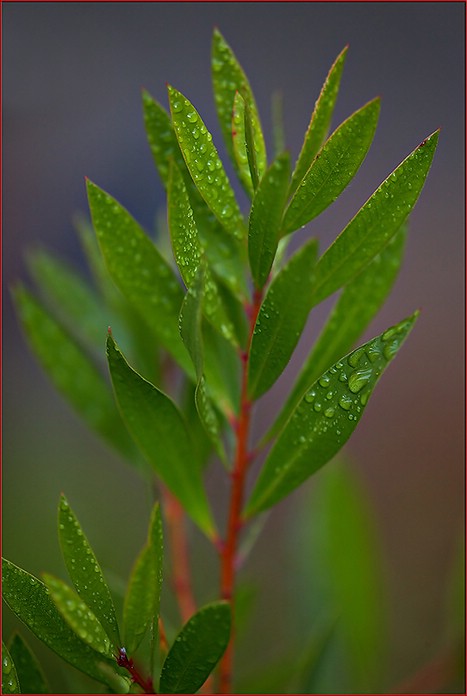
[{"x": 72, "y": 78}]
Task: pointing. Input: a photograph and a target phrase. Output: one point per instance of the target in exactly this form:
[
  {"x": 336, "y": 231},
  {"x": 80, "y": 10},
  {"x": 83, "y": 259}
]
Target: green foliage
[{"x": 227, "y": 312}]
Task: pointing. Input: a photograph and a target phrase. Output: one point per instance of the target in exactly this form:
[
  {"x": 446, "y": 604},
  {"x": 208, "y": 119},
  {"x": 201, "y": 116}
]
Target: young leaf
[
  {"x": 10, "y": 681},
  {"x": 265, "y": 219},
  {"x": 86, "y": 575},
  {"x": 139, "y": 270},
  {"x": 375, "y": 223},
  {"x": 72, "y": 372},
  {"x": 228, "y": 79},
  {"x": 359, "y": 302},
  {"x": 333, "y": 168},
  {"x": 196, "y": 650},
  {"x": 320, "y": 120},
  {"x": 244, "y": 146},
  {"x": 78, "y": 615},
  {"x": 325, "y": 418},
  {"x": 30, "y": 675},
  {"x": 142, "y": 600},
  {"x": 30, "y": 600},
  {"x": 204, "y": 164},
  {"x": 160, "y": 432},
  {"x": 281, "y": 320}
]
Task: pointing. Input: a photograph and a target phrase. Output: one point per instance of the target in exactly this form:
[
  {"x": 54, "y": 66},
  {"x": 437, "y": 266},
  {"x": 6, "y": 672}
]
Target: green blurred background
[{"x": 72, "y": 76}]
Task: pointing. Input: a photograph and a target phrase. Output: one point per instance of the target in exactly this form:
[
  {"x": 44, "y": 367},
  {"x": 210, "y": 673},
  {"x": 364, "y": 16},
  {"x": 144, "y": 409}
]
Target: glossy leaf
[
  {"x": 78, "y": 615},
  {"x": 245, "y": 149},
  {"x": 73, "y": 373},
  {"x": 139, "y": 270},
  {"x": 30, "y": 675},
  {"x": 142, "y": 600},
  {"x": 325, "y": 418},
  {"x": 30, "y": 600},
  {"x": 333, "y": 168},
  {"x": 228, "y": 78},
  {"x": 160, "y": 432},
  {"x": 86, "y": 575},
  {"x": 357, "y": 305},
  {"x": 320, "y": 120},
  {"x": 375, "y": 223},
  {"x": 196, "y": 650},
  {"x": 281, "y": 320},
  {"x": 204, "y": 164},
  {"x": 10, "y": 681},
  {"x": 266, "y": 217}
]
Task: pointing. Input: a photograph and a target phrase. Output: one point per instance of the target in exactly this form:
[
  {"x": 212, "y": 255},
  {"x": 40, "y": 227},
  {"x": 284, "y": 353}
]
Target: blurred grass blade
[
  {"x": 160, "y": 432},
  {"x": 204, "y": 164},
  {"x": 30, "y": 675},
  {"x": 142, "y": 599},
  {"x": 358, "y": 304},
  {"x": 86, "y": 575},
  {"x": 228, "y": 78},
  {"x": 375, "y": 223},
  {"x": 139, "y": 270},
  {"x": 320, "y": 121},
  {"x": 30, "y": 600},
  {"x": 72, "y": 372},
  {"x": 266, "y": 217},
  {"x": 78, "y": 615},
  {"x": 10, "y": 681},
  {"x": 325, "y": 418},
  {"x": 333, "y": 168},
  {"x": 281, "y": 320},
  {"x": 196, "y": 650}
]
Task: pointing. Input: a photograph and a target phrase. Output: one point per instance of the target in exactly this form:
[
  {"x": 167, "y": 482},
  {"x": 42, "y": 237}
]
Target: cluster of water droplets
[{"x": 9, "y": 681}]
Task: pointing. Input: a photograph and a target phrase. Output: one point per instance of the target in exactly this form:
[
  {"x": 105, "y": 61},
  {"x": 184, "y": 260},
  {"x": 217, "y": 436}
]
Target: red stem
[{"x": 124, "y": 661}]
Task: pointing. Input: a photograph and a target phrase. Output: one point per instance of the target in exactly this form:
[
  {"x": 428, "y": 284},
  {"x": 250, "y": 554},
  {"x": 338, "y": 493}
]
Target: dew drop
[
  {"x": 329, "y": 412},
  {"x": 354, "y": 358},
  {"x": 192, "y": 116},
  {"x": 359, "y": 379},
  {"x": 345, "y": 402},
  {"x": 342, "y": 377},
  {"x": 177, "y": 106},
  {"x": 325, "y": 380},
  {"x": 309, "y": 396},
  {"x": 317, "y": 407}
]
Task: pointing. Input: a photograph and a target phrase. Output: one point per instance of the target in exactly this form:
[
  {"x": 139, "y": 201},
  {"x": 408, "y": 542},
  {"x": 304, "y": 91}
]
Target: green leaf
[
  {"x": 325, "y": 418},
  {"x": 160, "y": 432},
  {"x": 228, "y": 78},
  {"x": 204, "y": 164},
  {"x": 30, "y": 600},
  {"x": 244, "y": 145},
  {"x": 375, "y": 223},
  {"x": 265, "y": 219},
  {"x": 139, "y": 271},
  {"x": 78, "y": 615},
  {"x": 10, "y": 681},
  {"x": 358, "y": 304},
  {"x": 85, "y": 573},
  {"x": 30, "y": 675},
  {"x": 333, "y": 168},
  {"x": 196, "y": 650},
  {"x": 73, "y": 373},
  {"x": 281, "y": 320},
  {"x": 142, "y": 600},
  {"x": 320, "y": 120},
  {"x": 161, "y": 137}
]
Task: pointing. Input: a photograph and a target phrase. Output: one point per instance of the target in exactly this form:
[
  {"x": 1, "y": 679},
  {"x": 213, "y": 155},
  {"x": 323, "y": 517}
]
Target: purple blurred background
[{"x": 72, "y": 75}]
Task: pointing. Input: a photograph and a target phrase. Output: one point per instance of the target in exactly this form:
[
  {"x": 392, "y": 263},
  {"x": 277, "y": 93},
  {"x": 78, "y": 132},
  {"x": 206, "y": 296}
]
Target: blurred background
[{"x": 72, "y": 79}]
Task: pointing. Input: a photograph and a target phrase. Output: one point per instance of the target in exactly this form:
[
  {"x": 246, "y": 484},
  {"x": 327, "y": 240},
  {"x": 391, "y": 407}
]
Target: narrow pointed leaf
[
  {"x": 358, "y": 304},
  {"x": 320, "y": 120},
  {"x": 139, "y": 270},
  {"x": 325, "y": 418},
  {"x": 161, "y": 137},
  {"x": 78, "y": 615},
  {"x": 142, "y": 600},
  {"x": 85, "y": 572},
  {"x": 204, "y": 164},
  {"x": 375, "y": 223},
  {"x": 73, "y": 373},
  {"x": 30, "y": 600},
  {"x": 333, "y": 168},
  {"x": 281, "y": 320},
  {"x": 265, "y": 219},
  {"x": 10, "y": 681},
  {"x": 160, "y": 432},
  {"x": 245, "y": 149},
  {"x": 30, "y": 675},
  {"x": 196, "y": 650},
  {"x": 228, "y": 78}
]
